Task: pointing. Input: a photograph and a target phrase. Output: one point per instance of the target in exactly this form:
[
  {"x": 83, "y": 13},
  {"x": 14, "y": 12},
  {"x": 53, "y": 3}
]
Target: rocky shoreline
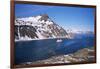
[{"x": 83, "y": 55}]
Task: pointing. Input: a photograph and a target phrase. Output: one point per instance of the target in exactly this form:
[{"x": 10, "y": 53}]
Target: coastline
[
  {"x": 82, "y": 55},
  {"x": 42, "y": 39}
]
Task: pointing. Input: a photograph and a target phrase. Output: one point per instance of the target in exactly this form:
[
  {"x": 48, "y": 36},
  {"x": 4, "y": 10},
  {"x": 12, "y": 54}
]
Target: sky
[{"x": 74, "y": 18}]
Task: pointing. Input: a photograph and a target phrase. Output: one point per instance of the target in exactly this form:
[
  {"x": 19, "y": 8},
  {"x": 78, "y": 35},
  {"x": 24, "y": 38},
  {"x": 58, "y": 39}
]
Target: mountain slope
[{"x": 38, "y": 27}]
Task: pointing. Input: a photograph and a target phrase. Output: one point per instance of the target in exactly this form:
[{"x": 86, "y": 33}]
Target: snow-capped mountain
[
  {"x": 84, "y": 32},
  {"x": 38, "y": 27}
]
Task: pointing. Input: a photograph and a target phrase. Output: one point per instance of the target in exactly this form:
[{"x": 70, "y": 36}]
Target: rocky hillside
[{"x": 38, "y": 27}]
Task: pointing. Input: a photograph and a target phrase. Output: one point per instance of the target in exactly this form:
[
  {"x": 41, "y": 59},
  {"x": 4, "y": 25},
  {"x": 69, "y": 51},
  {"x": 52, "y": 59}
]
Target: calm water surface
[{"x": 29, "y": 51}]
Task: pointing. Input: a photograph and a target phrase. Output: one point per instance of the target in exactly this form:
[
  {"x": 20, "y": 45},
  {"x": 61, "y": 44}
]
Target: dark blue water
[{"x": 29, "y": 51}]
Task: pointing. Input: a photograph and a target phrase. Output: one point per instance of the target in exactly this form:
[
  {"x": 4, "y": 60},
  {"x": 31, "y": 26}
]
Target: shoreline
[
  {"x": 41, "y": 39},
  {"x": 82, "y": 55}
]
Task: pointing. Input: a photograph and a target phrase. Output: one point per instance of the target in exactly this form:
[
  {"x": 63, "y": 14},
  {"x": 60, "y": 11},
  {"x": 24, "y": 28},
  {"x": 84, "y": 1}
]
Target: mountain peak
[
  {"x": 38, "y": 27},
  {"x": 44, "y": 17}
]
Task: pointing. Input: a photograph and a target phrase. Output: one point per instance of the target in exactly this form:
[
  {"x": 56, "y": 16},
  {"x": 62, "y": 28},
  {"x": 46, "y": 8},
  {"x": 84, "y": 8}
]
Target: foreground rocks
[{"x": 83, "y": 55}]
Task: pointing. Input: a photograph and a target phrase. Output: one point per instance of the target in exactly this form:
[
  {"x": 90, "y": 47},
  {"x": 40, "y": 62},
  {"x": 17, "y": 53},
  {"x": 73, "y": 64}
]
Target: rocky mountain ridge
[{"x": 38, "y": 27}]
